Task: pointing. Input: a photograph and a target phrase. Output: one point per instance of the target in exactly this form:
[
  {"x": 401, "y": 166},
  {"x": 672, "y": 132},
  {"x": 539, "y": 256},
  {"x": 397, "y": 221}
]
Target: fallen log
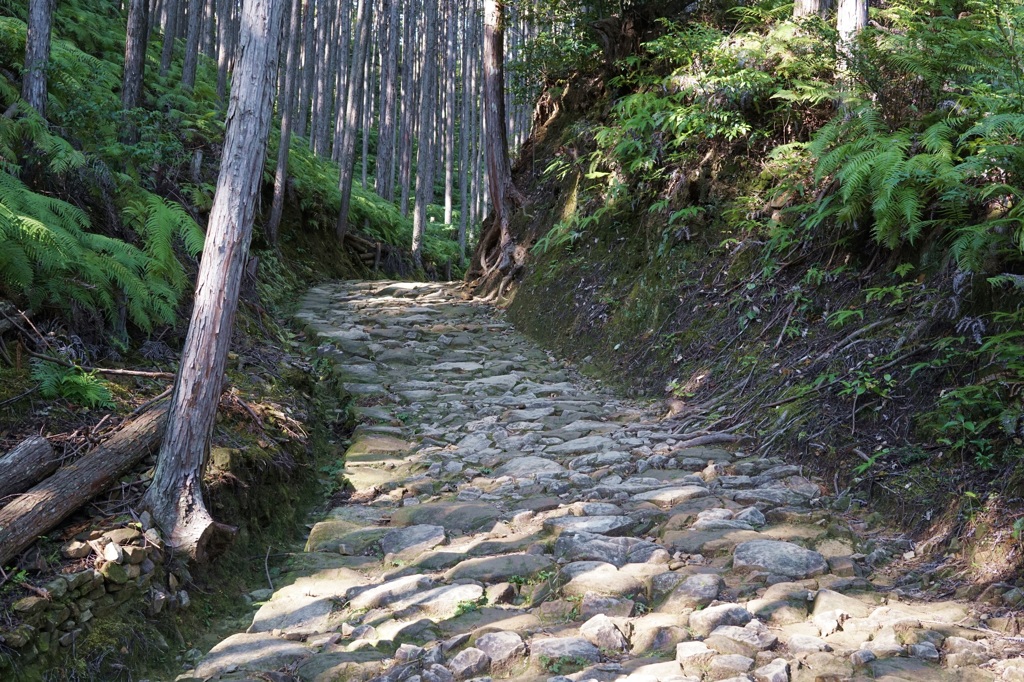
[
  {"x": 43, "y": 507},
  {"x": 29, "y": 462}
]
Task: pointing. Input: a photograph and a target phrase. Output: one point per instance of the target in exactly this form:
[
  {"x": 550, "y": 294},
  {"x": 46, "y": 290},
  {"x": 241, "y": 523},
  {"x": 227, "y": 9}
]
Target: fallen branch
[
  {"x": 43, "y": 507},
  {"x": 102, "y": 370}
]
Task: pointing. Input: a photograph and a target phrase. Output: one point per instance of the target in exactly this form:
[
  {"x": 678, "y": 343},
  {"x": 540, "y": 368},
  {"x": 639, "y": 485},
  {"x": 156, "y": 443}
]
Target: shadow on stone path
[{"x": 509, "y": 523}]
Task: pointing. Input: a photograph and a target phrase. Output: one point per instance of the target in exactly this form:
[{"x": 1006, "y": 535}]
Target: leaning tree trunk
[
  {"x": 290, "y": 78},
  {"x": 44, "y": 506},
  {"x": 428, "y": 116},
  {"x": 497, "y": 253},
  {"x": 176, "y": 496},
  {"x": 353, "y": 115},
  {"x": 37, "y": 54}
]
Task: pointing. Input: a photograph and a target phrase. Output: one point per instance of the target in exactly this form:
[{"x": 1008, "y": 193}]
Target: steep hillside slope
[{"x": 826, "y": 264}]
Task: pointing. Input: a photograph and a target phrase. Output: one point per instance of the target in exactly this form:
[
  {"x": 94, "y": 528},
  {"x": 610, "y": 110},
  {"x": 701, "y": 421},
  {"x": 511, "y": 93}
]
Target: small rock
[
  {"x": 469, "y": 663},
  {"x": 694, "y": 657},
  {"x": 113, "y": 552},
  {"x": 925, "y": 650},
  {"x": 728, "y": 666},
  {"x": 408, "y": 653},
  {"x": 694, "y": 592},
  {"x": 411, "y": 540},
  {"x": 76, "y": 550},
  {"x": 504, "y": 649},
  {"x": 780, "y": 558},
  {"x": 702, "y": 623},
  {"x": 862, "y": 657},
  {"x": 745, "y": 641},
  {"x": 575, "y": 649},
  {"x": 776, "y": 671},
  {"x": 805, "y": 644},
  {"x": 115, "y": 573},
  {"x": 603, "y": 633}
]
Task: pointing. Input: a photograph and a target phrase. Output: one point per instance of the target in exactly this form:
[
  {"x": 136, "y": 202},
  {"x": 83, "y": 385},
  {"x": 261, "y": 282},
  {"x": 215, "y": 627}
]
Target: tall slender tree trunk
[
  {"x": 465, "y": 129},
  {"x": 175, "y": 496},
  {"x": 224, "y": 46},
  {"x": 851, "y": 18},
  {"x": 37, "y": 54},
  {"x": 191, "y": 62},
  {"x": 405, "y": 137},
  {"x": 308, "y": 71},
  {"x": 324, "y": 80},
  {"x": 805, "y": 8},
  {"x": 428, "y": 111},
  {"x": 290, "y": 78},
  {"x": 344, "y": 71},
  {"x": 384, "y": 176},
  {"x": 504, "y": 196},
  {"x": 451, "y": 44},
  {"x": 170, "y": 34},
  {"x": 368, "y": 103},
  {"x": 208, "y": 32},
  {"x": 135, "y": 53},
  {"x": 353, "y": 110}
]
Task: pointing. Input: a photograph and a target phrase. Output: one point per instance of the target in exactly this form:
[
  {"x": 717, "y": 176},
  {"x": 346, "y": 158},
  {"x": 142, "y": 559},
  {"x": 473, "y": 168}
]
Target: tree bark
[
  {"x": 806, "y": 8},
  {"x": 134, "y": 61},
  {"x": 37, "y": 54},
  {"x": 451, "y": 43},
  {"x": 306, "y": 71},
  {"x": 225, "y": 31},
  {"x": 353, "y": 111},
  {"x": 851, "y": 18},
  {"x": 384, "y": 177},
  {"x": 29, "y": 462},
  {"x": 170, "y": 34},
  {"x": 504, "y": 195},
  {"x": 290, "y": 78},
  {"x": 175, "y": 496},
  {"x": 326, "y": 73},
  {"x": 405, "y": 135},
  {"x": 427, "y": 110},
  {"x": 465, "y": 128},
  {"x": 43, "y": 507},
  {"x": 191, "y": 61}
]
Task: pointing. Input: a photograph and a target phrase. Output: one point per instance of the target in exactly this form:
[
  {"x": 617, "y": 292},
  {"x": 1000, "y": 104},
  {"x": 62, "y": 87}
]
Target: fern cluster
[{"x": 73, "y": 384}]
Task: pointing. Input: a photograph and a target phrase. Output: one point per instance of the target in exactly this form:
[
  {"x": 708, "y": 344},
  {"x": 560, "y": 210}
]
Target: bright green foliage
[
  {"x": 48, "y": 255},
  {"x": 315, "y": 181},
  {"x": 73, "y": 384}
]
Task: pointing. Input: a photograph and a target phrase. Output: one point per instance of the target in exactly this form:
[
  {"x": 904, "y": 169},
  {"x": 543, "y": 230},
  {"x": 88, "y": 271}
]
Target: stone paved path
[{"x": 507, "y": 522}]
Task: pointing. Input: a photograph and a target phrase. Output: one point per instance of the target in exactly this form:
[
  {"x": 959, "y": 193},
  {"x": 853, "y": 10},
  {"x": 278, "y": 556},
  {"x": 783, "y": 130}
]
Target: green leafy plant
[{"x": 72, "y": 384}]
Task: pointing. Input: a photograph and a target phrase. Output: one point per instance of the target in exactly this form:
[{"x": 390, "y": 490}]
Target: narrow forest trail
[{"x": 509, "y": 521}]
